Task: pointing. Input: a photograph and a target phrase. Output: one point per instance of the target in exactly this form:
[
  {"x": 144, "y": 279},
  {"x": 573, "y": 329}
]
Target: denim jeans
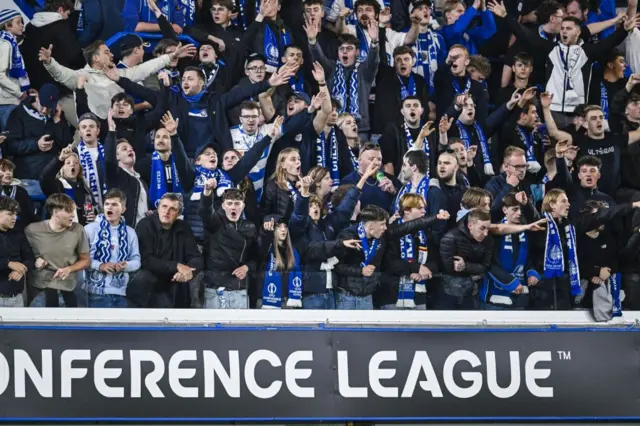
[
  {"x": 319, "y": 301},
  {"x": 234, "y": 299},
  {"x": 392, "y": 307},
  {"x": 16, "y": 301},
  {"x": 348, "y": 302},
  {"x": 107, "y": 301},
  {"x": 5, "y": 111}
]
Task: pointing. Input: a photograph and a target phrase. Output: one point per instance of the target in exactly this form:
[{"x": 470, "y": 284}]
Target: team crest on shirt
[{"x": 299, "y": 137}]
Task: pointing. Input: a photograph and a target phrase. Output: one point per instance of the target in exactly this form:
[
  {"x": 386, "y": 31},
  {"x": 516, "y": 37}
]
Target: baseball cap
[
  {"x": 48, "y": 96},
  {"x": 131, "y": 41},
  {"x": 89, "y": 116},
  {"x": 300, "y": 95},
  {"x": 418, "y": 3},
  {"x": 255, "y": 57}
]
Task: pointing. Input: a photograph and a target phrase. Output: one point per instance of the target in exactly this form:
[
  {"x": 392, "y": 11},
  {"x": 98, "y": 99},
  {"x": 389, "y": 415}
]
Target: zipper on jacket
[{"x": 566, "y": 75}]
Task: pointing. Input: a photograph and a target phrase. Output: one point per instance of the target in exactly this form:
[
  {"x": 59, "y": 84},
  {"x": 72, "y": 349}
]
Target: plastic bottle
[{"x": 221, "y": 296}]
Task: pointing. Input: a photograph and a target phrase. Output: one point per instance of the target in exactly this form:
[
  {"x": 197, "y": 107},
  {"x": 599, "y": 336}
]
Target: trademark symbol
[{"x": 564, "y": 355}]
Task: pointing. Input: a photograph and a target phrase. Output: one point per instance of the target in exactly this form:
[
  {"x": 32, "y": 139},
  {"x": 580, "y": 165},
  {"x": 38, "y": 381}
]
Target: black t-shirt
[
  {"x": 393, "y": 145},
  {"x": 608, "y": 150}
]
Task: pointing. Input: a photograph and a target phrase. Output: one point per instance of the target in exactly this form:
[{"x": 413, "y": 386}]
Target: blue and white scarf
[
  {"x": 505, "y": 254},
  {"x": 468, "y": 141},
  {"x": 35, "y": 114},
  {"x": 407, "y": 287},
  {"x": 604, "y": 100},
  {"x": 89, "y": 171},
  {"x": 321, "y": 155},
  {"x": 615, "y": 281},
  {"x": 293, "y": 192},
  {"x": 405, "y": 91},
  {"x": 297, "y": 82},
  {"x": 354, "y": 160},
  {"x": 364, "y": 43},
  {"x": 96, "y": 279},
  {"x": 342, "y": 93},
  {"x": 351, "y": 19},
  {"x": 271, "y": 47},
  {"x": 422, "y": 189},
  {"x": 543, "y": 34},
  {"x": 427, "y": 46},
  {"x": 410, "y": 142},
  {"x": 554, "y": 254},
  {"x": 456, "y": 86},
  {"x": 272, "y": 292},
  {"x": 202, "y": 174},
  {"x": 369, "y": 251},
  {"x": 526, "y": 136},
  {"x": 17, "y": 69},
  {"x": 158, "y": 184}
]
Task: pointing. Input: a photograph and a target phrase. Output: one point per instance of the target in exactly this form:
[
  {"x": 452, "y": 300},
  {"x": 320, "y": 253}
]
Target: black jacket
[
  {"x": 498, "y": 187},
  {"x": 50, "y": 184},
  {"x": 395, "y": 267},
  {"x": 276, "y": 201},
  {"x": 22, "y": 141},
  {"x": 14, "y": 247},
  {"x": 117, "y": 177},
  {"x": 162, "y": 249},
  {"x": 459, "y": 242},
  {"x": 66, "y": 51},
  {"x": 228, "y": 245},
  {"x": 27, "y": 213}
]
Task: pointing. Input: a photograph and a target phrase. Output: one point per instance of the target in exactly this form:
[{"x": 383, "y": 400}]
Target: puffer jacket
[
  {"x": 276, "y": 201},
  {"x": 459, "y": 242},
  {"x": 228, "y": 246}
]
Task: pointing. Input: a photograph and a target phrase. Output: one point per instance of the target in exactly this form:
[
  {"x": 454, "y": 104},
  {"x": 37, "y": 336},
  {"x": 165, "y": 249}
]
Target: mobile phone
[{"x": 5, "y": 133}]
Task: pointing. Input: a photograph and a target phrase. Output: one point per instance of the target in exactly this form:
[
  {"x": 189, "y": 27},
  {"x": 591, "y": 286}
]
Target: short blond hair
[{"x": 551, "y": 197}]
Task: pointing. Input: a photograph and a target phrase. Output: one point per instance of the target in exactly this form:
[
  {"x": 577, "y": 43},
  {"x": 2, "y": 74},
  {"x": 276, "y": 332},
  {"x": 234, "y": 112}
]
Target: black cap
[
  {"x": 525, "y": 7},
  {"x": 48, "y": 96},
  {"x": 131, "y": 41},
  {"x": 419, "y": 3},
  {"x": 255, "y": 57},
  {"x": 300, "y": 95}
]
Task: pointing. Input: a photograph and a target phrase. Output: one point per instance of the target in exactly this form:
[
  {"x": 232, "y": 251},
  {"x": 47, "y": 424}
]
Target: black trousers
[{"x": 148, "y": 290}]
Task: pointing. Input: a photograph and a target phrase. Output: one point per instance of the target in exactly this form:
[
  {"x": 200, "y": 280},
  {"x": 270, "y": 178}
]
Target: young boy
[{"x": 14, "y": 81}]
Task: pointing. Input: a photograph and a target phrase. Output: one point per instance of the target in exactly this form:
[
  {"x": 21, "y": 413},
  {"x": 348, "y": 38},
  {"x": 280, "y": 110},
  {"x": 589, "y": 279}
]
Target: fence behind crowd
[{"x": 65, "y": 365}]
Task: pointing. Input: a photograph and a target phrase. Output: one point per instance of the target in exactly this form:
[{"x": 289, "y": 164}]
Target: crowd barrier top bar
[{"x": 309, "y": 318}]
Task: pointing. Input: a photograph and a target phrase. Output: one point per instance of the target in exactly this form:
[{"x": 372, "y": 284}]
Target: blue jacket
[
  {"x": 475, "y": 36},
  {"x": 100, "y": 20},
  {"x": 179, "y": 12}
]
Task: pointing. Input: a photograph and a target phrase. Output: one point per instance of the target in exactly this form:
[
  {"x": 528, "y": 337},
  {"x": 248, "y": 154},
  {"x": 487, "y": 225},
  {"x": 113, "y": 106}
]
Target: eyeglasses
[
  {"x": 250, "y": 117},
  {"x": 256, "y": 69}
]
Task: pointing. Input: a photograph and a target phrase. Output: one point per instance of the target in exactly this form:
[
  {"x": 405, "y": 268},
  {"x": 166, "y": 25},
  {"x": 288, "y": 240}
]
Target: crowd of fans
[{"x": 321, "y": 154}]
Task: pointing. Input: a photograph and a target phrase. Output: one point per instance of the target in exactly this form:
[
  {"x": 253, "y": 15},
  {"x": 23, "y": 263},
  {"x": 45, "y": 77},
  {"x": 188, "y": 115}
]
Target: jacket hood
[{"x": 40, "y": 19}]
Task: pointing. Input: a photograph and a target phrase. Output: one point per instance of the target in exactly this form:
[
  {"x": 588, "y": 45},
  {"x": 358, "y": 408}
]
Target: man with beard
[
  {"x": 350, "y": 80},
  {"x": 430, "y": 48},
  {"x": 453, "y": 80},
  {"x": 607, "y": 146},
  {"x": 416, "y": 181},
  {"x": 447, "y": 182},
  {"x": 399, "y": 138},
  {"x": 114, "y": 255},
  {"x": 513, "y": 180},
  {"x": 394, "y": 85},
  {"x": 170, "y": 258},
  {"x": 201, "y": 113},
  {"x": 37, "y": 132},
  {"x": 268, "y": 35},
  {"x": 587, "y": 186},
  {"x": 61, "y": 249}
]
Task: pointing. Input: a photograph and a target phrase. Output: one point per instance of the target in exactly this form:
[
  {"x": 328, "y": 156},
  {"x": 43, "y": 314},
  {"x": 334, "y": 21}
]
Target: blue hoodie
[
  {"x": 99, "y": 20},
  {"x": 181, "y": 12},
  {"x": 461, "y": 31}
]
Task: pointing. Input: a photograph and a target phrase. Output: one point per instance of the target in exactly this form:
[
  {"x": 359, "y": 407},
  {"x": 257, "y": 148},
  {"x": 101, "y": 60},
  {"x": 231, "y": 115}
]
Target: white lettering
[
  {"x": 344, "y": 389},
  {"x": 532, "y": 374},
  {"x": 376, "y": 373},
  {"x": 152, "y": 378},
  {"x": 176, "y": 374},
  {"x": 250, "y": 374},
  {"x": 293, "y": 374},
  {"x": 474, "y": 377},
  {"x": 102, "y": 373},
  {"x": 213, "y": 368},
  {"x": 421, "y": 362},
  {"x": 492, "y": 375},
  {"x": 25, "y": 366},
  {"x": 5, "y": 374},
  {"x": 68, "y": 373}
]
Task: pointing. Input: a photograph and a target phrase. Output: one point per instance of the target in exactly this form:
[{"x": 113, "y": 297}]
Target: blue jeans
[
  {"x": 234, "y": 299},
  {"x": 5, "y": 111},
  {"x": 16, "y": 301},
  {"x": 107, "y": 301},
  {"x": 319, "y": 301},
  {"x": 348, "y": 302},
  {"x": 392, "y": 307}
]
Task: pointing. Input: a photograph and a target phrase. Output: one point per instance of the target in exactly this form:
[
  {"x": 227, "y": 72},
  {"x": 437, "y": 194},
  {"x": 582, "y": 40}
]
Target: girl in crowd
[
  {"x": 64, "y": 175},
  {"x": 282, "y": 190}
]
